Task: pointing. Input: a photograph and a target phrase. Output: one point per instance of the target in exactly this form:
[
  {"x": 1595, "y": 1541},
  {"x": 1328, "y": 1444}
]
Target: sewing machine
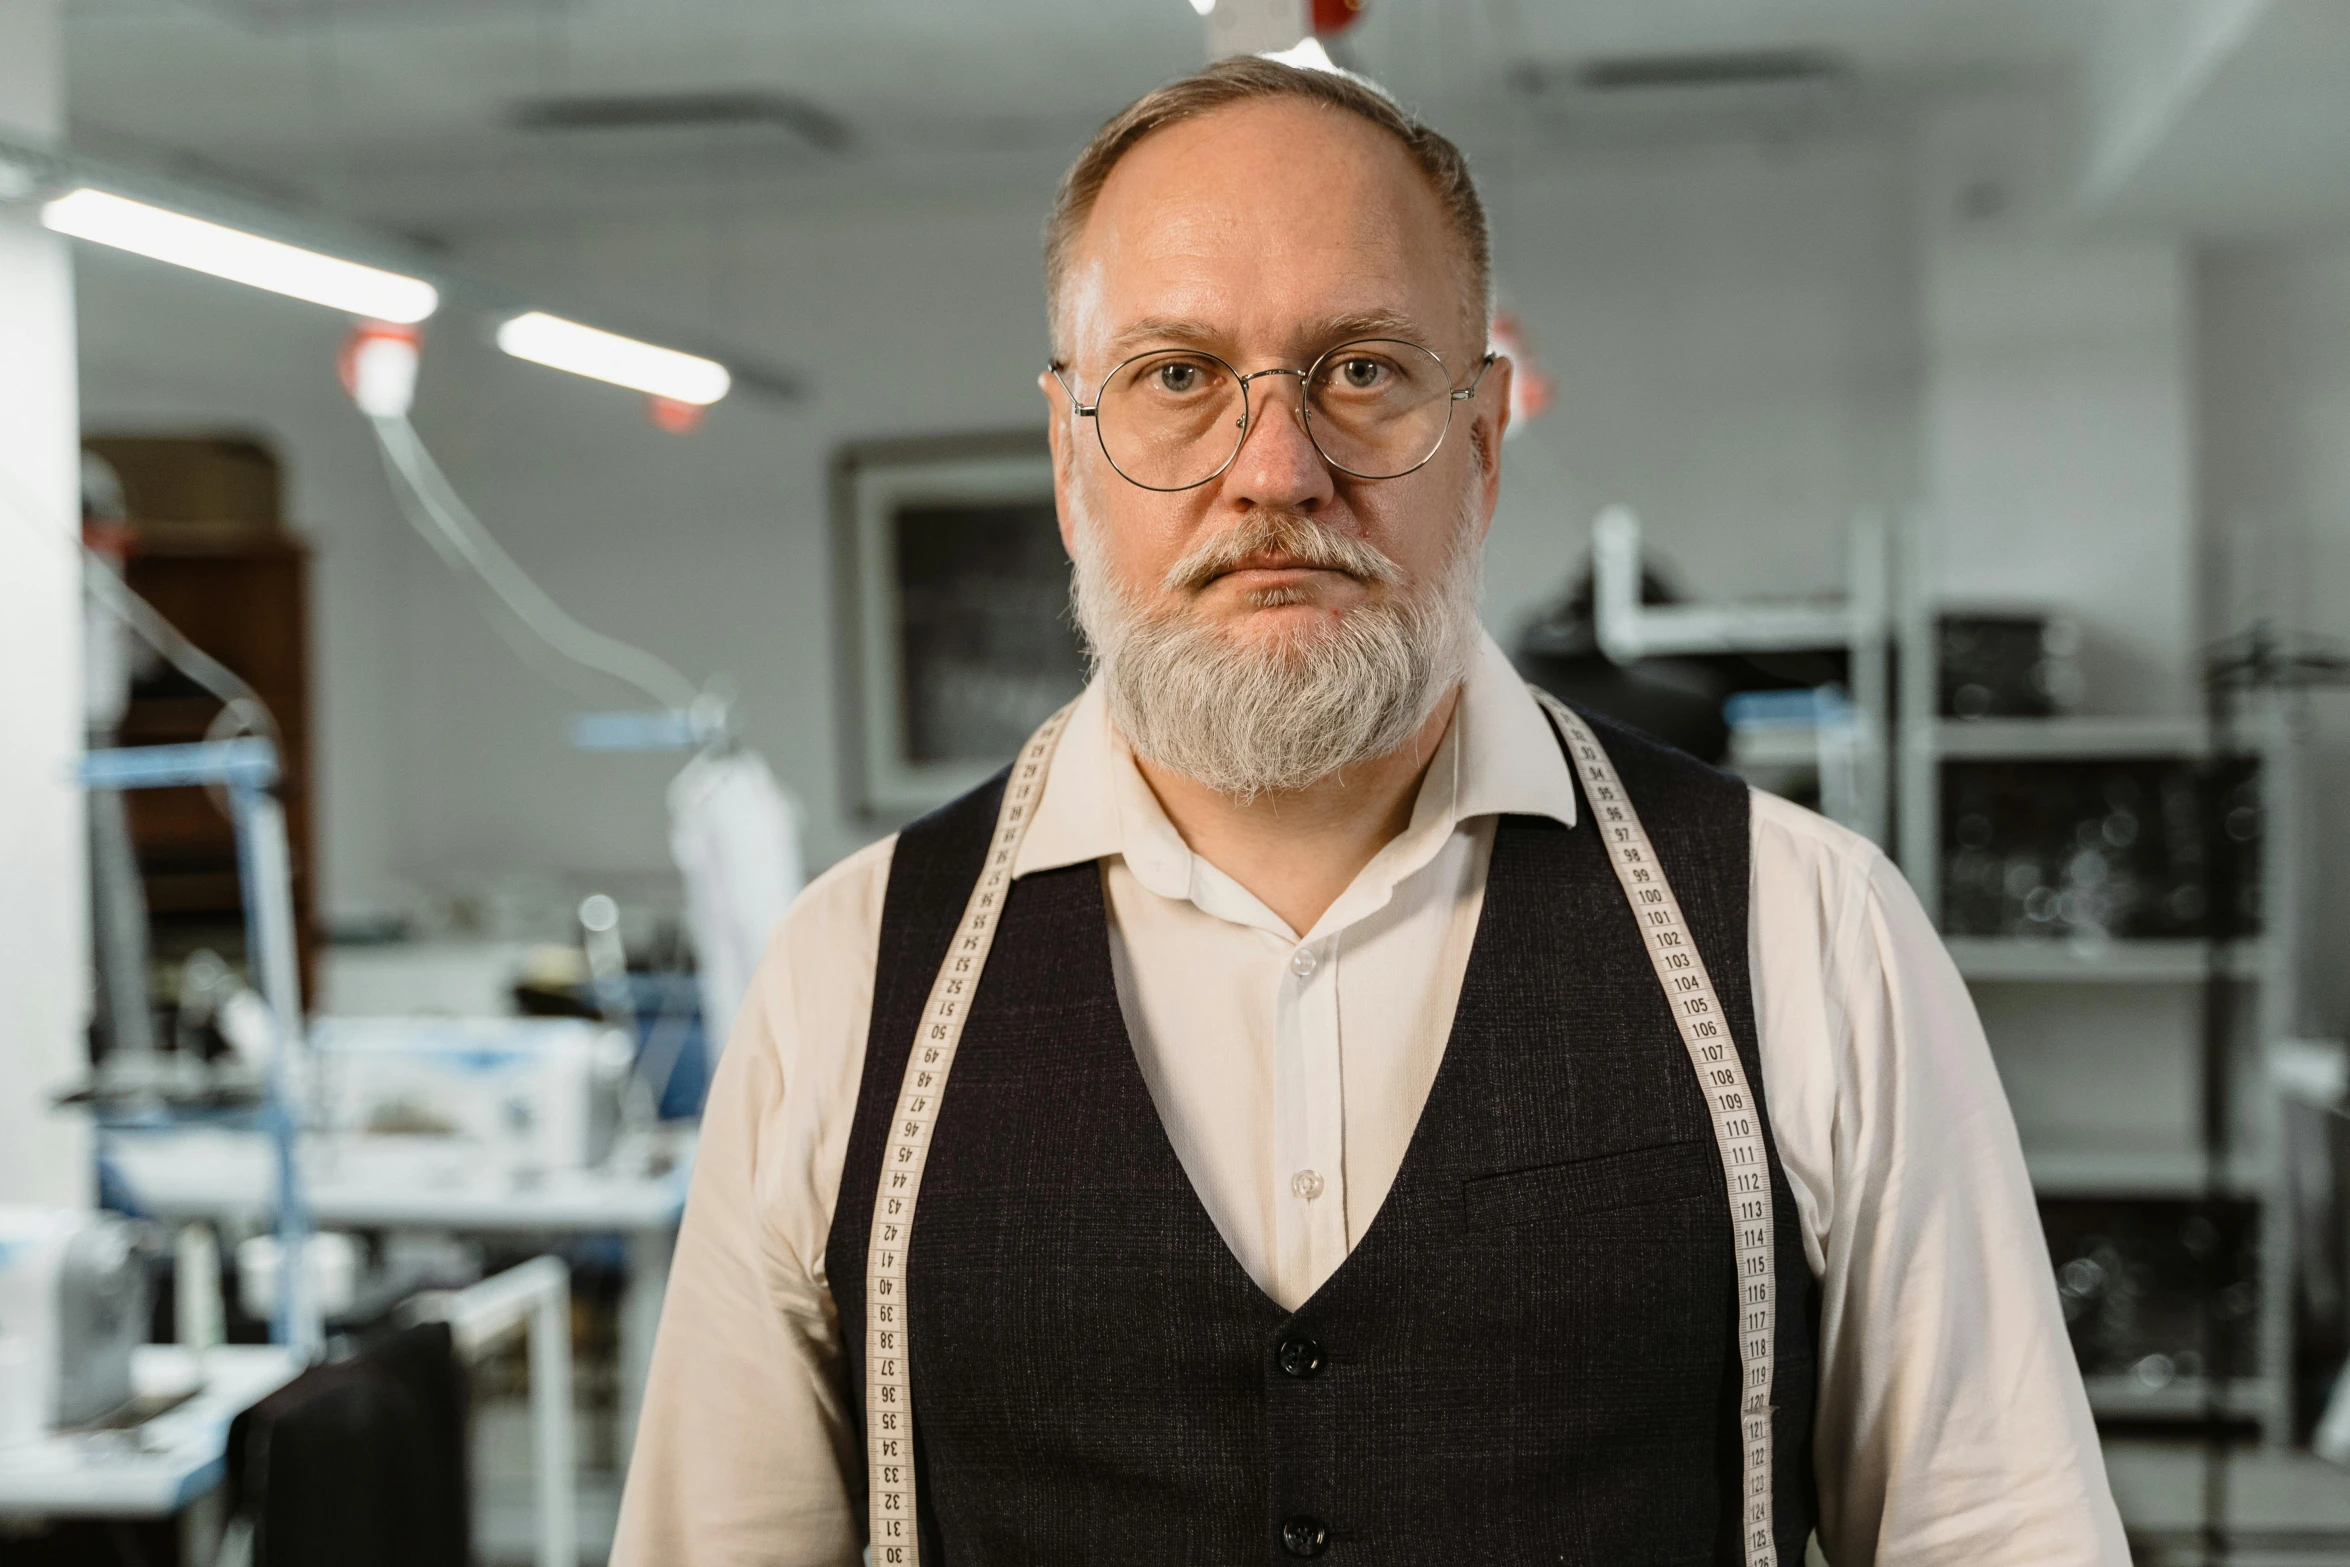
[
  {"x": 536, "y": 1094},
  {"x": 73, "y": 1289}
]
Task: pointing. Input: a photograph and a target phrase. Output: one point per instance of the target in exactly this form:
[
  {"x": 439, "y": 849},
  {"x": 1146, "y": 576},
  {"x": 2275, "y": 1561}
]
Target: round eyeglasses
[{"x": 1174, "y": 418}]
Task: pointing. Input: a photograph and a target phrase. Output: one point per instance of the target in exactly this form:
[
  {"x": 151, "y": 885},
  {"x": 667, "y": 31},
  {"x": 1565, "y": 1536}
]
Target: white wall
[
  {"x": 2059, "y": 443},
  {"x": 1733, "y": 329},
  {"x": 44, "y": 991}
]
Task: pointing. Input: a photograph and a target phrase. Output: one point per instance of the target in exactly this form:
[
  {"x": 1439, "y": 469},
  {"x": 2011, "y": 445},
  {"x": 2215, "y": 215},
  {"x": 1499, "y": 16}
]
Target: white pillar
[{"x": 44, "y": 960}]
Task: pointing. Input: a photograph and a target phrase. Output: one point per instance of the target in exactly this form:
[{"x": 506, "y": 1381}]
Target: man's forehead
[
  {"x": 1276, "y": 218},
  {"x": 1128, "y": 333}
]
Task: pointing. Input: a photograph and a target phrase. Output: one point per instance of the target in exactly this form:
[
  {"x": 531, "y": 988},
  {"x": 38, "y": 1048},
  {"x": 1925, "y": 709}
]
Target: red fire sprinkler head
[
  {"x": 378, "y": 367},
  {"x": 1336, "y": 16}
]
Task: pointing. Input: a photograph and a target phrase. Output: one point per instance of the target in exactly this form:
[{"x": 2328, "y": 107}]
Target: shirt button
[
  {"x": 1298, "y": 1357},
  {"x": 1302, "y": 963},
  {"x": 1302, "y": 1534},
  {"x": 1306, "y": 1184}
]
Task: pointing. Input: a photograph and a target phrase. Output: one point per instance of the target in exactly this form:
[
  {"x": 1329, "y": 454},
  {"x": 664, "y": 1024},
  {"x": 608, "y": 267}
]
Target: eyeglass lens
[{"x": 1374, "y": 409}]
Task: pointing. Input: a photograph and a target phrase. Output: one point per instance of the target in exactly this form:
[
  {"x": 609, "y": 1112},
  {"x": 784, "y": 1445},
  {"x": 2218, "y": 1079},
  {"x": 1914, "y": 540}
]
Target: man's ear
[
  {"x": 1056, "y": 429},
  {"x": 1491, "y": 423}
]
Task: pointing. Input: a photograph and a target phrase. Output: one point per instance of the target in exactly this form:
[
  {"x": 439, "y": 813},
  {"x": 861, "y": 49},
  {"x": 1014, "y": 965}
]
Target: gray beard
[{"x": 1278, "y": 716}]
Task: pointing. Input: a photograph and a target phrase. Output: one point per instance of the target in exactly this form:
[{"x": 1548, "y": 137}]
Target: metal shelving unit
[
  {"x": 1860, "y": 625},
  {"x": 2020, "y": 960},
  {"x": 2022, "y": 974},
  {"x": 2068, "y": 739},
  {"x": 2182, "y": 1398},
  {"x": 2148, "y": 1167}
]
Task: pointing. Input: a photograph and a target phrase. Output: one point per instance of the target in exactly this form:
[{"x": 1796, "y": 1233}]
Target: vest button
[
  {"x": 1302, "y": 1534},
  {"x": 1298, "y": 1357}
]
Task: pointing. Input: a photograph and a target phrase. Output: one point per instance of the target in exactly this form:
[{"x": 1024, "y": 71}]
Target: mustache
[{"x": 1299, "y": 540}]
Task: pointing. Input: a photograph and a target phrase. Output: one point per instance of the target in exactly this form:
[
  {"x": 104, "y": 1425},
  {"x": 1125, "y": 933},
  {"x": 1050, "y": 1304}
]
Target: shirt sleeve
[
  {"x": 1952, "y": 1424},
  {"x": 744, "y": 1448}
]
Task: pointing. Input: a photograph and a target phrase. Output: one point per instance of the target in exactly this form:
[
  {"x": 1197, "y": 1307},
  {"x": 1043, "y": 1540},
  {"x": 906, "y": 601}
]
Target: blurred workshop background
[{"x": 495, "y": 493}]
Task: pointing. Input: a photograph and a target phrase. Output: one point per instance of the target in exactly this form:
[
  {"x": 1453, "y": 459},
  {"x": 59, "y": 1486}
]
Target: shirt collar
[
  {"x": 1498, "y": 756},
  {"x": 1514, "y": 765}
]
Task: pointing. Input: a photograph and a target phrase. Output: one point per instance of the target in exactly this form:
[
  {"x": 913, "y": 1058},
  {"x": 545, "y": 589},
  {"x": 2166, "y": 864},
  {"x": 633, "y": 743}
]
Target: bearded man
[{"x": 1388, "y": 1118}]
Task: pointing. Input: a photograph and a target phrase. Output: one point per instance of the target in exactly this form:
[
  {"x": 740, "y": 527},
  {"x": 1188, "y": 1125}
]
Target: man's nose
[{"x": 1278, "y": 466}]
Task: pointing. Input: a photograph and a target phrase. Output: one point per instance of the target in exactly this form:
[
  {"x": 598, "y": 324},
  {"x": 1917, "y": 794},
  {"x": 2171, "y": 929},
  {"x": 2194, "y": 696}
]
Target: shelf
[
  {"x": 1779, "y": 746},
  {"x": 2122, "y": 1395},
  {"x": 2150, "y": 1169},
  {"x": 2063, "y": 739},
  {"x": 1994, "y": 959}
]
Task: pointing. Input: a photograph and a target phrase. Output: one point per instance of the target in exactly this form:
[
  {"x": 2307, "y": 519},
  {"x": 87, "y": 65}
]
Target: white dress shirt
[{"x": 1952, "y": 1427}]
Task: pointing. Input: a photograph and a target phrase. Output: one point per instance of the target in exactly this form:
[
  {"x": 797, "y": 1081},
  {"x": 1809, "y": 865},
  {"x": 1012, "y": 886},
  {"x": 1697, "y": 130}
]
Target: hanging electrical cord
[
  {"x": 241, "y": 709},
  {"x": 433, "y": 507}
]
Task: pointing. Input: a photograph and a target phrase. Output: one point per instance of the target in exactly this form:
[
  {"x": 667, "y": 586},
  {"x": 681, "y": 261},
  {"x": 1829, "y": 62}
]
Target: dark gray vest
[{"x": 1528, "y": 1358}]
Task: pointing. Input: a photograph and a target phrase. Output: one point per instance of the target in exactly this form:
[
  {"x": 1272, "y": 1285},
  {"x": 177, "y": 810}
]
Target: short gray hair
[{"x": 1249, "y": 78}]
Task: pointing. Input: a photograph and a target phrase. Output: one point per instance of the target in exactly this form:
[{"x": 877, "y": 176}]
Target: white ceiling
[
  {"x": 2262, "y": 147},
  {"x": 401, "y": 109}
]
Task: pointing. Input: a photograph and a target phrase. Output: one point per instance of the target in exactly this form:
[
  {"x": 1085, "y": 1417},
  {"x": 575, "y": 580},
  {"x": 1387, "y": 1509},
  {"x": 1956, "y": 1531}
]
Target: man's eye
[
  {"x": 1361, "y": 375},
  {"x": 1178, "y": 377}
]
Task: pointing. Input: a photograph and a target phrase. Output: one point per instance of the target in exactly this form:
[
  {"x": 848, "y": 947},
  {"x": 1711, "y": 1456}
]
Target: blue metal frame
[
  {"x": 248, "y": 769},
  {"x": 245, "y": 763}
]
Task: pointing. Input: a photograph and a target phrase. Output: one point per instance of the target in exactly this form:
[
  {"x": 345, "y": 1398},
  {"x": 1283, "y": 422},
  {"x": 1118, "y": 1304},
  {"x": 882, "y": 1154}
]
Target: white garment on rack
[{"x": 736, "y": 838}]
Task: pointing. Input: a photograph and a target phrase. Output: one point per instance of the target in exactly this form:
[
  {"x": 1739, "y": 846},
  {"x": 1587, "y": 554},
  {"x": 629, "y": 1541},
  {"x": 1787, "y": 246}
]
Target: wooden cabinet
[{"x": 243, "y": 596}]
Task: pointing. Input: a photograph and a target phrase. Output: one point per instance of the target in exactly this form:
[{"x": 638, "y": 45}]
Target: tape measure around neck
[
  {"x": 1731, "y": 1105},
  {"x": 893, "y": 1507},
  {"x": 892, "y": 1511}
]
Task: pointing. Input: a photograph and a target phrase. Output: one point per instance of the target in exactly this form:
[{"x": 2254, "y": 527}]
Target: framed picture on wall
[{"x": 953, "y": 595}]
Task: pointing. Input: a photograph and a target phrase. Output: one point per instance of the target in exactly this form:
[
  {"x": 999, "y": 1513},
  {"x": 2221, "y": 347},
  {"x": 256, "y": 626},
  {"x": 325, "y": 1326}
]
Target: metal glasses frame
[{"x": 1305, "y": 378}]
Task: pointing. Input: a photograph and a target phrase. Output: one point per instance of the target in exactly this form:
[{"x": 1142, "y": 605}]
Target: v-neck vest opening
[{"x": 1528, "y": 1355}]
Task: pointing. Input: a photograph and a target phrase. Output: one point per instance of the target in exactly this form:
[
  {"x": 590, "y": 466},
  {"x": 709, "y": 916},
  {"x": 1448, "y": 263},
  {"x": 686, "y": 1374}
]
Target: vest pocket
[{"x": 1640, "y": 1178}]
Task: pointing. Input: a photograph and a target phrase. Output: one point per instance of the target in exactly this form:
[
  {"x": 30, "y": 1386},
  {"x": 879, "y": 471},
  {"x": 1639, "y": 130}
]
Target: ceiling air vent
[
  {"x": 273, "y": 16},
  {"x": 1752, "y": 68},
  {"x": 1748, "y": 70},
  {"x": 1757, "y": 92},
  {"x": 750, "y": 113}
]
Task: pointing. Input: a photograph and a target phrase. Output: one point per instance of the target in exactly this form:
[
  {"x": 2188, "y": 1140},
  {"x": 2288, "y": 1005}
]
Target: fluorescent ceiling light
[
  {"x": 240, "y": 257},
  {"x": 607, "y": 356},
  {"x": 1307, "y": 55}
]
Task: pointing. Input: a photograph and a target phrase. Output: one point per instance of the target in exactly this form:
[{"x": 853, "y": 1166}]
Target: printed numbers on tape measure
[
  {"x": 888, "y": 1380},
  {"x": 1680, "y": 974},
  {"x": 1721, "y": 1076}
]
